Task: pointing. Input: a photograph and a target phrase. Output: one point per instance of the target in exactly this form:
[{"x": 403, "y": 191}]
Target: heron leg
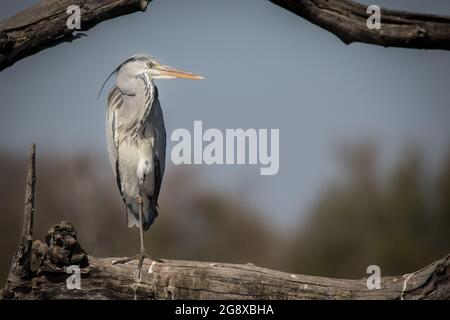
[
  {"x": 141, "y": 255},
  {"x": 141, "y": 222}
]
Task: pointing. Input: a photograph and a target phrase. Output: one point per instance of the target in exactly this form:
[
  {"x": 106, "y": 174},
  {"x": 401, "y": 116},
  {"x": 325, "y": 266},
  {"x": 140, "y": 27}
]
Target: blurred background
[{"x": 364, "y": 141}]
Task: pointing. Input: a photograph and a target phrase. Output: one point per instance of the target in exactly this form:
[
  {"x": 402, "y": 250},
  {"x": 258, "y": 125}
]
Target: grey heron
[{"x": 136, "y": 139}]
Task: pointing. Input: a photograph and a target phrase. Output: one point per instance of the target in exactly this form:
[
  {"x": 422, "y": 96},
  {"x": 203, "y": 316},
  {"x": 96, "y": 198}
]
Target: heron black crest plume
[
  {"x": 104, "y": 83},
  {"x": 132, "y": 58}
]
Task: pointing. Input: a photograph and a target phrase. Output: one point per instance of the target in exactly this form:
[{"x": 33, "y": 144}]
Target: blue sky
[{"x": 264, "y": 68}]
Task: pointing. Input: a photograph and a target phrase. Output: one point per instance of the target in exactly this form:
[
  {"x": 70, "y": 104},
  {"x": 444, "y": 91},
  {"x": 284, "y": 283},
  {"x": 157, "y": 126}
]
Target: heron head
[
  {"x": 139, "y": 64},
  {"x": 144, "y": 64}
]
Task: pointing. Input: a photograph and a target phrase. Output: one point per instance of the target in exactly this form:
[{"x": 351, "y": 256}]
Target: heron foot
[{"x": 140, "y": 257}]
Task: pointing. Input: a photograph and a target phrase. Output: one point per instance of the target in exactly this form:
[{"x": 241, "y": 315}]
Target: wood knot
[
  {"x": 441, "y": 268},
  {"x": 61, "y": 249},
  {"x": 422, "y": 33},
  {"x": 6, "y": 43},
  {"x": 143, "y": 4}
]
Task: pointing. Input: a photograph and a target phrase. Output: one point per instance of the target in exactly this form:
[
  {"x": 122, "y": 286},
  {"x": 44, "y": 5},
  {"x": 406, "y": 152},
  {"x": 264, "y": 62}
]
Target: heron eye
[{"x": 150, "y": 64}]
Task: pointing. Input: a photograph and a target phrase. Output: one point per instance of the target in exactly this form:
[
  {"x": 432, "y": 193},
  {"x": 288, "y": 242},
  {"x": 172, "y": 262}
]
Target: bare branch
[
  {"x": 20, "y": 266},
  {"x": 44, "y": 25},
  {"x": 348, "y": 20},
  {"x": 27, "y": 228}
]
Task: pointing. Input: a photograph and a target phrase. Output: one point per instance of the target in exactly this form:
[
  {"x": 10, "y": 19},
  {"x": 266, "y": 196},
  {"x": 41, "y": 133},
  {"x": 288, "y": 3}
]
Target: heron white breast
[{"x": 144, "y": 168}]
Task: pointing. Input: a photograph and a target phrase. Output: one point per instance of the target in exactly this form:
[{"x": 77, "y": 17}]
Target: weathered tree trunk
[
  {"x": 348, "y": 20},
  {"x": 40, "y": 272},
  {"x": 45, "y": 25}
]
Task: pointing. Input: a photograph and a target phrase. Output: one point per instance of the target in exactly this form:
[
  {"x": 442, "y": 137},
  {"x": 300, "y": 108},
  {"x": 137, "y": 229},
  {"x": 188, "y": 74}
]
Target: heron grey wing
[
  {"x": 157, "y": 134},
  {"x": 160, "y": 148},
  {"x": 115, "y": 101}
]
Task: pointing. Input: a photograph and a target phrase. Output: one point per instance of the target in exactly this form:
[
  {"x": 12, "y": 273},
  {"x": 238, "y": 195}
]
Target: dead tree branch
[
  {"x": 348, "y": 20},
  {"x": 44, "y": 25},
  {"x": 21, "y": 264}
]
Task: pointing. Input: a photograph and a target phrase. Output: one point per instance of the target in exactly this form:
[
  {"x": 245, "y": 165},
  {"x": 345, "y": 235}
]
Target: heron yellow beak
[{"x": 178, "y": 73}]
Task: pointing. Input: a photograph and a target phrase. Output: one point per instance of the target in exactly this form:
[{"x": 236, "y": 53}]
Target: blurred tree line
[{"x": 398, "y": 219}]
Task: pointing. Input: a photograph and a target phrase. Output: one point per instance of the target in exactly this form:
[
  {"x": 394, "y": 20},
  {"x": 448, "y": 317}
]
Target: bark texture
[
  {"x": 348, "y": 20},
  {"x": 44, "y": 25},
  {"x": 173, "y": 279}
]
